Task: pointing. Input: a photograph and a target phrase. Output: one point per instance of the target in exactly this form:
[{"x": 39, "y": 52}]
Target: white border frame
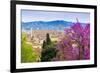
[{"x": 20, "y": 65}]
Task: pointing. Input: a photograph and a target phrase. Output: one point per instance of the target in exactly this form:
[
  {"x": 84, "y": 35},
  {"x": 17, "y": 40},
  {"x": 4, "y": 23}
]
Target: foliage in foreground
[
  {"x": 27, "y": 53},
  {"x": 49, "y": 51},
  {"x": 75, "y": 45}
]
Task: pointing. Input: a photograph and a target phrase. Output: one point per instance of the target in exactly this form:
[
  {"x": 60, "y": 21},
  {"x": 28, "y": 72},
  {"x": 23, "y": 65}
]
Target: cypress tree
[
  {"x": 44, "y": 44},
  {"x": 48, "y": 40}
]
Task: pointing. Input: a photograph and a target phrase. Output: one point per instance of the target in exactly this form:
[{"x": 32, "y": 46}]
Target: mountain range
[{"x": 47, "y": 25}]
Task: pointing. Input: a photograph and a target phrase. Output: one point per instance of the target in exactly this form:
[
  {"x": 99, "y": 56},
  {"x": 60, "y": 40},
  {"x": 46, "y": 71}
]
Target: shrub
[{"x": 27, "y": 53}]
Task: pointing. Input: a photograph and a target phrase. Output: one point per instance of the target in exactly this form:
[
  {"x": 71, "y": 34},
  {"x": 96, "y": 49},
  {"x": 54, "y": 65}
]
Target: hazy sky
[{"x": 33, "y": 15}]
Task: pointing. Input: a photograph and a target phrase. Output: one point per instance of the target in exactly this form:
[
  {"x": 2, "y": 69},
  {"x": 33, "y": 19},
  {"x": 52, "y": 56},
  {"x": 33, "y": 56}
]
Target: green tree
[
  {"x": 48, "y": 40},
  {"x": 44, "y": 44},
  {"x": 48, "y": 54},
  {"x": 27, "y": 53},
  {"x": 49, "y": 50}
]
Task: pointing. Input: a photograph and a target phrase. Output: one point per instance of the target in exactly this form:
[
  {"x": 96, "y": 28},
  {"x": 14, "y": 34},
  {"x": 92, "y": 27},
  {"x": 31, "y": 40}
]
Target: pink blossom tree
[{"x": 75, "y": 45}]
